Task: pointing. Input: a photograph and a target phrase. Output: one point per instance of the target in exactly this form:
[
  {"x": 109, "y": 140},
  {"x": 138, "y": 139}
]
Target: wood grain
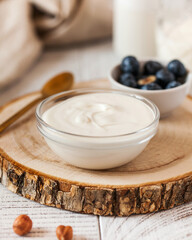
[
  {"x": 155, "y": 180},
  {"x": 170, "y": 224}
]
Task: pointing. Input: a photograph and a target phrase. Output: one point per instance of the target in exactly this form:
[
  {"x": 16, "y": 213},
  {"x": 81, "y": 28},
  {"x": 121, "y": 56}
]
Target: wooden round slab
[{"x": 160, "y": 178}]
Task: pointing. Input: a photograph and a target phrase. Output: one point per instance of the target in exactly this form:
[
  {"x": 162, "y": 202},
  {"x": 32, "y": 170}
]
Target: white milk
[{"x": 134, "y": 27}]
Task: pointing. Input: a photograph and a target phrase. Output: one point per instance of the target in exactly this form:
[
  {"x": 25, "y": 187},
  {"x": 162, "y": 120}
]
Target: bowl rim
[
  {"x": 137, "y": 90},
  {"x": 146, "y": 101}
]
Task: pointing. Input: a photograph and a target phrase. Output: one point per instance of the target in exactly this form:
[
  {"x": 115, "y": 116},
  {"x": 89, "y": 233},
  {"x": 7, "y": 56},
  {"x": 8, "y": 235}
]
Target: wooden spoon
[{"x": 59, "y": 83}]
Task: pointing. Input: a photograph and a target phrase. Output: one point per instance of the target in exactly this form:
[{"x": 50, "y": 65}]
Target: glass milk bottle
[{"x": 134, "y": 28}]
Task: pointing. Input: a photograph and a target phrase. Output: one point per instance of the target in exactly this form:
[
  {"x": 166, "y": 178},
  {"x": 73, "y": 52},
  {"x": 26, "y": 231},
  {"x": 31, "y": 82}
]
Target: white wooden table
[{"x": 86, "y": 62}]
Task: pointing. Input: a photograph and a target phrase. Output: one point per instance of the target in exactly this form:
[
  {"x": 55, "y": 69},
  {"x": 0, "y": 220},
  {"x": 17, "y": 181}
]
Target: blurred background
[{"x": 39, "y": 39}]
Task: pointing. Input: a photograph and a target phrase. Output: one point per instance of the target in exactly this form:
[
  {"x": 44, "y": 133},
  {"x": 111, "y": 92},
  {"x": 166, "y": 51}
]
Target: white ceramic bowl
[
  {"x": 166, "y": 100},
  {"x": 95, "y": 152}
]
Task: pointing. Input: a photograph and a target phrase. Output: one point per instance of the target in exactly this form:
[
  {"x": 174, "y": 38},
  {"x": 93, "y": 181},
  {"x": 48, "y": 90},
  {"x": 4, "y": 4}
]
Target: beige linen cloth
[{"x": 28, "y": 25}]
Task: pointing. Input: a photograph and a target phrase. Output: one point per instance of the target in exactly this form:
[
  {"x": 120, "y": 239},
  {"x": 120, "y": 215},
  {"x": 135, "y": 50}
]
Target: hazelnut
[
  {"x": 22, "y": 225},
  {"x": 64, "y": 232}
]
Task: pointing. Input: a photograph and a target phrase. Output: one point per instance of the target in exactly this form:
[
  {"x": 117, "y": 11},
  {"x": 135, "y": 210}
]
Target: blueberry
[
  {"x": 177, "y": 68},
  {"x": 151, "y": 86},
  {"x": 181, "y": 80},
  {"x": 130, "y": 65},
  {"x": 124, "y": 76},
  {"x": 173, "y": 84},
  {"x": 151, "y": 67},
  {"x": 128, "y": 80},
  {"x": 164, "y": 77}
]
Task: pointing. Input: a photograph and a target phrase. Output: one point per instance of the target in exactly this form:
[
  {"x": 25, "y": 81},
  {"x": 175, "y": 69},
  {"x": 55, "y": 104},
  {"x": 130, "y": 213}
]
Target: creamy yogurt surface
[{"x": 99, "y": 114}]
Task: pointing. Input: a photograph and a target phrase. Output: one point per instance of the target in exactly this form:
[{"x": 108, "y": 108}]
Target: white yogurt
[{"x": 99, "y": 114}]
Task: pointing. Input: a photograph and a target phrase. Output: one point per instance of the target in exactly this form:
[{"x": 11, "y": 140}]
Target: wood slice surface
[{"x": 160, "y": 178}]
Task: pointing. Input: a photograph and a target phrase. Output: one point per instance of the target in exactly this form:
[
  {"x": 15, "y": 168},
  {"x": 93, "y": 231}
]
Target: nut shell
[{"x": 22, "y": 225}]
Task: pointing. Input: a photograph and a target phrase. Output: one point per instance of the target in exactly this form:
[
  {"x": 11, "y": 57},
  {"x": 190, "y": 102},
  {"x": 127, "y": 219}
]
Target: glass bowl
[{"x": 98, "y": 152}]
